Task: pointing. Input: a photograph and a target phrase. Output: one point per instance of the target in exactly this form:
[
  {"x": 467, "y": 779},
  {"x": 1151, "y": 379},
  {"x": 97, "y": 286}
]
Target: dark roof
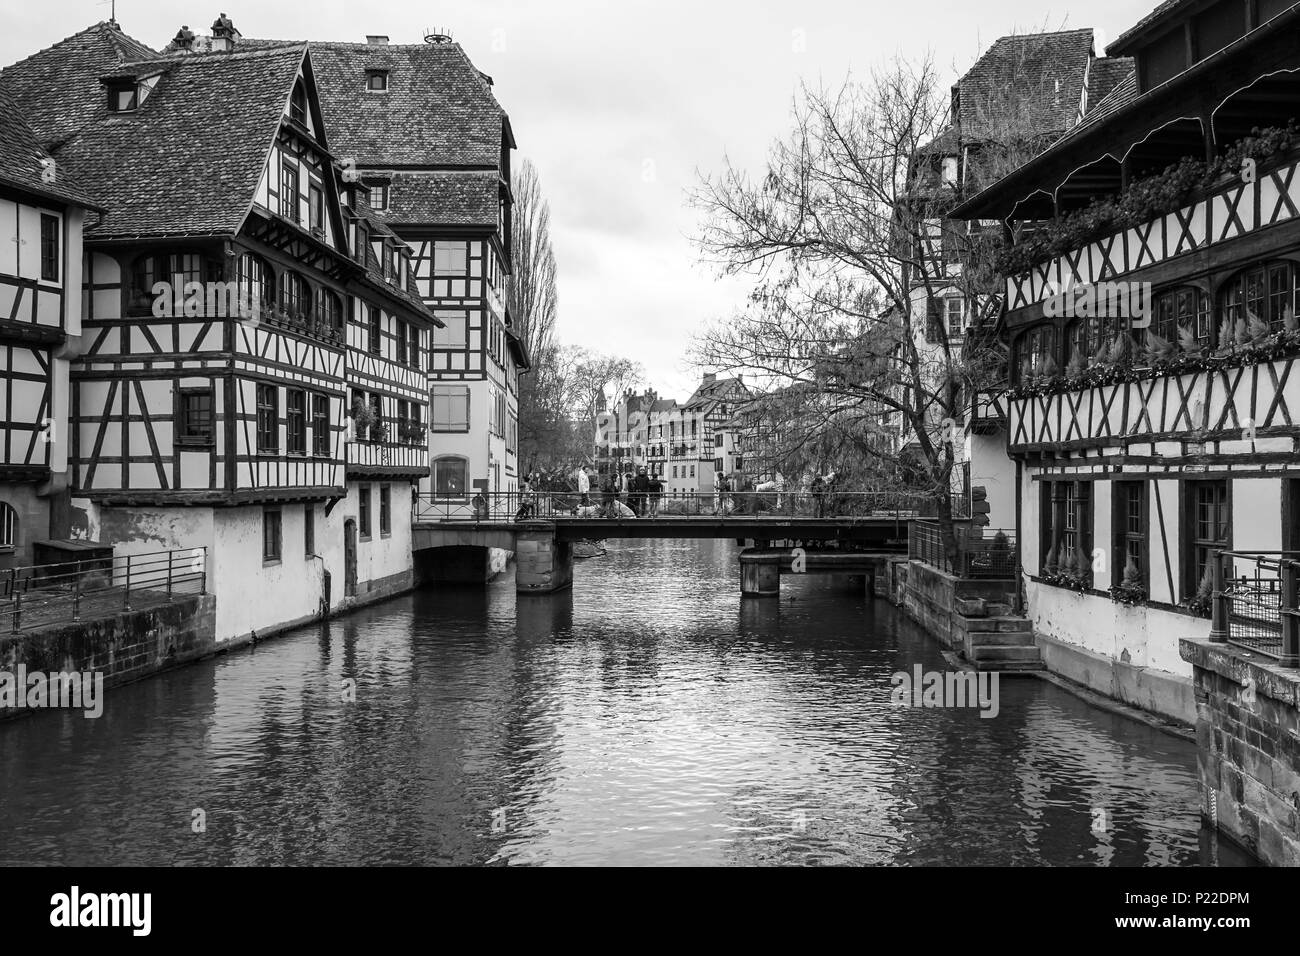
[
  {"x": 438, "y": 110},
  {"x": 1041, "y": 73},
  {"x": 58, "y": 89},
  {"x": 1166, "y": 9},
  {"x": 189, "y": 160},
  {"x": 715, "y": 391},
  {"x": 1104, "y": 75},
  {"x": 459, "y": 198},
  {"x": 406, "y": 290},
  {"x": 20, "y": 159}
]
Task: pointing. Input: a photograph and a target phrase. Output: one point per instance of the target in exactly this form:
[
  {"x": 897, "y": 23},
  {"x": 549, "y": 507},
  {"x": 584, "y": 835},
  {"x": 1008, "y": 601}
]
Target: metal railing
[
  {"x": 981, "y": 552},
  {"x": 1256, "y": 603},
  {"x": 46, "y": 594},
  {"x": 514, "y": 506}
]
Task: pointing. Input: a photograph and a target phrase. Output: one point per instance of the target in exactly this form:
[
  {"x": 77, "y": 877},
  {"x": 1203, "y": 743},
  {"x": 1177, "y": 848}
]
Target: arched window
[
  {"x": 295, "y": 298},
  {"x": 176, "y": 270},
  {"x": 329, "y": 314},
  {"x": 253, "y": 285},
  {"x": 1037, "y": 352},
  {"x": 449, "y": 477},
  {"x": 1265, "y": 291},
  {"x": 8, "y": 526},
  {"x": 1185, "y": 307}
]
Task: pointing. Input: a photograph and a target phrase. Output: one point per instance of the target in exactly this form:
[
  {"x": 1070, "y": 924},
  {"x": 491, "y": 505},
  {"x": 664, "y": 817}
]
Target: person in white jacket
[{"x": 584, "y": 484}]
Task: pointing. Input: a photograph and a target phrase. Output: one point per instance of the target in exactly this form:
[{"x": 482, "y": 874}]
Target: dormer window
[
  {"x": 123, "y": 96},
  {"x": 298, "y": 105},
  {"x": 378, "y": 196},
  {"x": 377, "y": 81}
]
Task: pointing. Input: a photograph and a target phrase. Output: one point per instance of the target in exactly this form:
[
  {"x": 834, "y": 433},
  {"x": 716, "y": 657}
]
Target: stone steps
[{"x": 1018, "y": 638}]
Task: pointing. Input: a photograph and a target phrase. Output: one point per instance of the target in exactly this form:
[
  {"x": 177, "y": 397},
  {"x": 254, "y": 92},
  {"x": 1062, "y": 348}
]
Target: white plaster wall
[
  {"x": 1103, "y": 575},
  {"x": 252, "y": 594},
  {"x": 1164, "y": 541},
  {"x": 1257, "y": 514},
  {"x": 990, "y": 467}
]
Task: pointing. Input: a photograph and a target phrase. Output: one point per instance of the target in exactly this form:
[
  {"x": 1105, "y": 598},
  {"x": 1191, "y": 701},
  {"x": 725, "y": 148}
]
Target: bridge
[{"x": 844, "y": 532}]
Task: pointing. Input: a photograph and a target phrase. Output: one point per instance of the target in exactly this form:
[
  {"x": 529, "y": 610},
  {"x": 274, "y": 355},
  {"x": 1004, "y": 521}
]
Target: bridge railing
[
  {"x": 515, "y": 506},
  {"x": 1255, "y": 602},
  {"x": 70, "y": 591},
  {"x": 990, "y": 553}
]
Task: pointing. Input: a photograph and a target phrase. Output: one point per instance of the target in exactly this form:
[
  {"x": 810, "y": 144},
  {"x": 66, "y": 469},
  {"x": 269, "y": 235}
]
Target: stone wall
[
  {"x": 123, "y": 647},
  {"x": 930, "y": 596},
  {"x": 542, "y": 564},
  {"x": 1248, "y": 748}
]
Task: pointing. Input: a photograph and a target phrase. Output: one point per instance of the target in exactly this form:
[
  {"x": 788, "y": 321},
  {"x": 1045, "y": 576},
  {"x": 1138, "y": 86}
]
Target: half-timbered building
[
  {"x": 1151, "y": 283},
  {"x": 421, "y": 127},
  {"x": 42, "y": 214},
  {"x": 234, "y": 308}
]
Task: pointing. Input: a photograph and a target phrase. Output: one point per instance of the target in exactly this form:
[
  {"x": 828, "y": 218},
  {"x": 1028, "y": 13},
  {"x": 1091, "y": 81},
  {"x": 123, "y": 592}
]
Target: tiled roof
[
  {"x": 438, "y": 109},
  {"x": 1104, "y": 75},
  {"x": 460, "y": 198},
  {"x": 375, "y": 271},
  {"x": 1042, "y": 73},
  {"x": 188, "y": 161},
  {"x": 20, "y": 159},
  {"x": 58, "y": 89}
]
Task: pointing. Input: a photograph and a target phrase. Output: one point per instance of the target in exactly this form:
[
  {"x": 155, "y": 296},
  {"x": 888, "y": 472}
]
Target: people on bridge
[
  {"x": 584, "y": 486},
  {"x": 639, "y": 492},
  {"x": 656, "y": 493}
]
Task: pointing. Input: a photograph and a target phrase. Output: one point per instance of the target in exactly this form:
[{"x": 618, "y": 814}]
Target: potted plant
[
  {"x": 1130, "y": 590},
  {"x": 1202, "y": 603}
]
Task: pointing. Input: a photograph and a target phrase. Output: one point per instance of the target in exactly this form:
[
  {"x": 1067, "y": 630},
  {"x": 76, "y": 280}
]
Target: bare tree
[{"x": 531, "y": 294}]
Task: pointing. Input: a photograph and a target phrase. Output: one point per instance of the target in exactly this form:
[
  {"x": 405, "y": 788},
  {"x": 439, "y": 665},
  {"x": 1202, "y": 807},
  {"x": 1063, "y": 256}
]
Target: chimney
[
  {"x": 183, "y": 42},
  {"x": 376, "y": 39},
  {"x": 224, "y": 34}
]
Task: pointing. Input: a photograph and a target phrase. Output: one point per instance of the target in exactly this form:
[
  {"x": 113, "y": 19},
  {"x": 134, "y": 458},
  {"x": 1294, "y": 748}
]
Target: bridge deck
[{"x": 889, "y": 530}]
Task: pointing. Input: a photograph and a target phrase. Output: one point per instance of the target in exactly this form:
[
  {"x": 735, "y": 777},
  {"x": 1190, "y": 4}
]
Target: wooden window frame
[
  {"x": 50, "y": 247},
  {"x": 453, "y": 427},
  {"x": 320, "y": 436},
  {"x": 272, "y": 536},
  {"x": 363, "y": 512},
  {"x": 268, "y": 418},
  {"x": 184, "y": 437},
  {"x": 309, "y": 529},
  {"x": 1124, "y": 540},
  {"x": 1192, "y": 544},
  {"x": 385, "y": 510},
  {"x": 295, "y": 435},
  {"x": 290, "y": 191}
]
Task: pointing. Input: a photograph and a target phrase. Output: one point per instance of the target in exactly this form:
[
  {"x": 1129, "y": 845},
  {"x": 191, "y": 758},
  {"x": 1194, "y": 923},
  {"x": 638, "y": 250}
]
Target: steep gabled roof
[
  {"x": 189, "y": 160},
  {"x": 1166, "y": 9},
  {"x": 21, "y": 156},
  {"x": 1032, "y": 80},
  {"x": 438, "y": 109},
  {"x": 1104, "y": 75},
  {"x": 715, "y": 391},
  {"x": 454, "y": 198},
  {"x": 405, "y": 291},
  {"x": 58, "y": 89}
]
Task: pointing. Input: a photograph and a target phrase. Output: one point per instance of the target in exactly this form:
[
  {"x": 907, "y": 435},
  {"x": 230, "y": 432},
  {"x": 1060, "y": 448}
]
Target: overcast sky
[{"x": 622, "y": 106}]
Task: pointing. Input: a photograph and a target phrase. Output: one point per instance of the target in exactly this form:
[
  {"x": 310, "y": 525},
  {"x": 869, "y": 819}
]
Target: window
[
  {"x": 309, "y": 529},
  {"x": 316, "y": 209},
  {"x": 374, "y": 331},
  {"x": 400, "y": 339},
  {"x": 329, "y": 314},
  {"x": 450, "y": 258},
  {"x": 954, "y": 316},
  {"x": 320, "y": 425},
  {"x": 1182, "y": 308},
  {"x": 195, "y": 426},
  {"x": 1266, "y": 291},
  {"x": 1065, "y": 524},
  {"x": 692, "y": 471},
  {"x": 363, "y": 240},
  {"x": 1037, "y": 352},
  {"x": 268, "y": 413},
  {"x": 413, "y": 347},
  {"x": 295, "y": 297},
  {"x": 449, "y": 477},
  {"x": 49, "y": 247},
  {"x": 1210, "y": 521},
  {"x": 298, "y": 104},
  {"x": 453, "y": 333},
  {"x": 8, "y": 526},
  {"x": 295, "y": 412},
  {"x": 178, "y": 270},
  {"x": 378, "y": 431},
  {"x": 385, "y": 510},
  {"x": 363, "y": 510},
  {"x": 377, "y": 196},
  {"x": 450, "y": 411},
  {"x": 376, "y": 80},
  {"x": 122, "y": 97},
  {"x": 1130, "y": 538},
  {"x": 289, "y": 191},
  {"x": 253, "y": 286},
  {"x": 271, "y": 534}
]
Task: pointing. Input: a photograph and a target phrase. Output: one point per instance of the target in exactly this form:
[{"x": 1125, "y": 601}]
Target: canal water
[{"x": 650, "y": 716}]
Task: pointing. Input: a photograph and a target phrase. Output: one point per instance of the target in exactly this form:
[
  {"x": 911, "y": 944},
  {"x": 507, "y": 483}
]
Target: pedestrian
[
  {"x": 609, "y": 494},
  {"x": 640, "y": 492},
  {"x": 819, "y": 495},
  {"x": 584, "y": 485},
  {"x": 656, "y": 494}
]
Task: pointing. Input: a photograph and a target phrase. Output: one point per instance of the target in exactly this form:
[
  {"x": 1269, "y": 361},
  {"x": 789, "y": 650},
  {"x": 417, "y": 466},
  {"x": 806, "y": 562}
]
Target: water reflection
[{"x": 648, "y": 716}]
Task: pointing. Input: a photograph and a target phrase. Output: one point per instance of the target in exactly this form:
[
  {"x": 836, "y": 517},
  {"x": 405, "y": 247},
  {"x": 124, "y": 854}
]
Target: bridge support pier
[
  {"x": 760, "y": 574},
  {"x": 542, "y": 564}
]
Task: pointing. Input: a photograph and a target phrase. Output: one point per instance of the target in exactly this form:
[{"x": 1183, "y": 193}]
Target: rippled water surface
[{"x": 650, "y": 716}]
